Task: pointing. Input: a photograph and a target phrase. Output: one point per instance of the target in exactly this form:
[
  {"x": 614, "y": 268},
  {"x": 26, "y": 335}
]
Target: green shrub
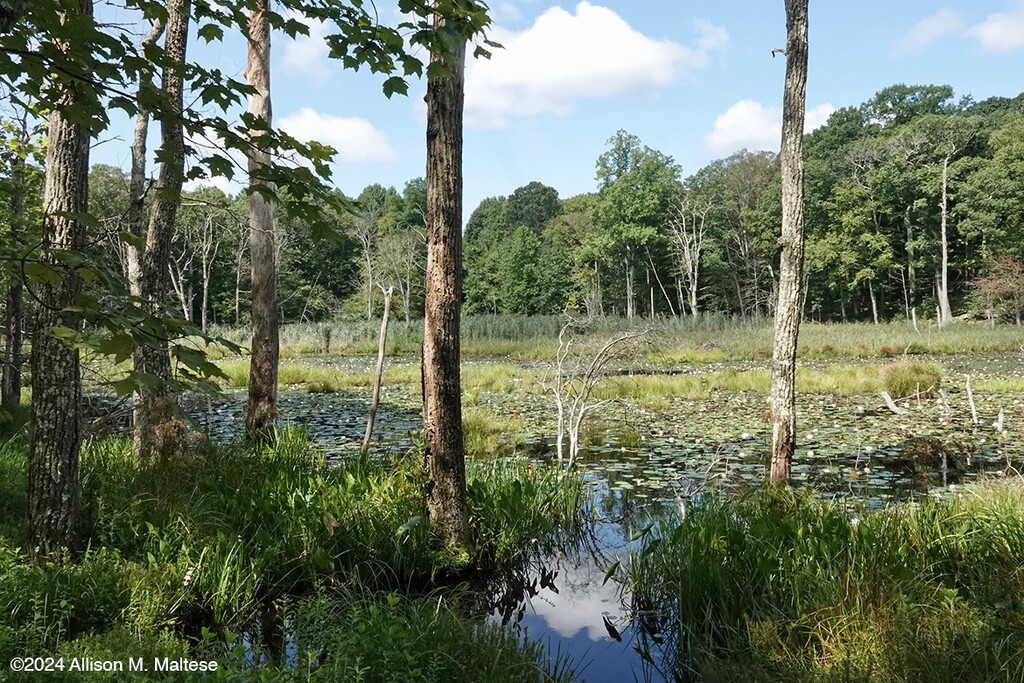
[{"x": 908, "y": 377}]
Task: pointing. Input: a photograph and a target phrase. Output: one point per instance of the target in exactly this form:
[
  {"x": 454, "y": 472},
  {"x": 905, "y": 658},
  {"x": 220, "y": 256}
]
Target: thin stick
[
  {"x": 380, "y": 371},
  {"x": 970, "y": 399}
]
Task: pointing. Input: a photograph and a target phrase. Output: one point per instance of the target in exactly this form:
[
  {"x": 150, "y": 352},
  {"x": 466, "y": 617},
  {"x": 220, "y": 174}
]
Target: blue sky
[{"x": 695, "y": 80}]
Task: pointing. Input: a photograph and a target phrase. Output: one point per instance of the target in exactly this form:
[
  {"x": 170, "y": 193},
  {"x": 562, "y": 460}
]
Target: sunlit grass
[
  {"x": 675, "y": 339},
  {"x": 781, "y": 586}
]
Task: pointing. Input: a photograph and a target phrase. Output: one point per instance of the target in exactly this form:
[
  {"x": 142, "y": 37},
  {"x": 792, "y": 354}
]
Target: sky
[{"x": 693, "y": 80}]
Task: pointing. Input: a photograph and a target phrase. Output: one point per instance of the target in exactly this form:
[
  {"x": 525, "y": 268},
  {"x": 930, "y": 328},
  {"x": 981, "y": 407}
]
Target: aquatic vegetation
[{"x": 776, "y": 585}]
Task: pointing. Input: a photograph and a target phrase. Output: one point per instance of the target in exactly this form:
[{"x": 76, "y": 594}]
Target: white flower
[
  {"x": 744, "y": 435},
  {"x": 810, "y": 454},
  {"x": 854, "y": 522},
  {"x": 867, "y": 470},
  {"x": 952, "y": 487},
  {"x": 868, "y": 449}
]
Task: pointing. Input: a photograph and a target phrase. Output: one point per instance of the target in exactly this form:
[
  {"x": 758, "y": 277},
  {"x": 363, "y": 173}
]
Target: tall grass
[
  {"x": 677, "y": 339},
  {"x": 211, "y": 536},
  {"x": 779, "y": 586}
]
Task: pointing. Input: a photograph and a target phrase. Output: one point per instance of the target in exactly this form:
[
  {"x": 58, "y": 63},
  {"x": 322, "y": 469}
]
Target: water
[{"x": 643, "y": 459}]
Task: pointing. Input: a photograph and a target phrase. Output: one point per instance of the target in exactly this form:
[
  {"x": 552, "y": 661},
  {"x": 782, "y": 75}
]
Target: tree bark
[
  {"x": 442, "y": 391},
  {"x": 945, "y": 313},
  {"x": 787, "y": 312},
  {"x": 56, "y": 375},
  {"x": 261, "y": 415},
  {"x": 148, "y": 273}
]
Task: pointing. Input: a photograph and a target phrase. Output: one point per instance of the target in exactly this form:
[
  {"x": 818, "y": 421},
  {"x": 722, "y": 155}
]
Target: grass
[
  {"x": 910, "y": 377},
  {"x": 710, "y": 337},
  {"x": 779, "y": 586},
  {"x": 210, "y": 537}
]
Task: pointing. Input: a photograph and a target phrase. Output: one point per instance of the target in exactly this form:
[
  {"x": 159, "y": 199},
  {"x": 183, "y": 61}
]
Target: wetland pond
[{"x": 645, "y": 457}]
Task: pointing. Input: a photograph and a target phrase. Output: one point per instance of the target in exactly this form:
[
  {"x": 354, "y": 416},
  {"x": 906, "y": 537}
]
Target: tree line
[{"x": 912, "y": 210}]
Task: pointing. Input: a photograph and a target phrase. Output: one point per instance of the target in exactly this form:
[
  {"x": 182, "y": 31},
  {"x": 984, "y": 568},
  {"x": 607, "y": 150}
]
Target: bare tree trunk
[
  {"x": 945, "y": 313},
  {"x": 442, "y": 391},
  {"x": 261, "y": 415},
  {"x": 874, "y": 301},
  {"x": 137, "y": 184},
  {"x": 630, "y": 296},
  {"x": 911, "y": 272},
  {"x": 380, "y": 369},
  {"x": 787, "y": 312},
  {"x": 152, "y": 407},
  {"x": 56, "y": 375},
  {"x": 10, "y": 392}
]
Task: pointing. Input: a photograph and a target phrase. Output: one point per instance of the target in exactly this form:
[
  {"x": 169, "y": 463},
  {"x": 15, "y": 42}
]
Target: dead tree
[
  {"x": 577, "y": 370},
  {"x": 791, "y": 261}
]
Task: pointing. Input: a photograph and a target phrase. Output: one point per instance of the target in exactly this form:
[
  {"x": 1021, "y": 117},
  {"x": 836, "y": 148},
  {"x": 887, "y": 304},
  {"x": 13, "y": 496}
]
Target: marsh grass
[
  {"x": 678, "y": 339},
  {"x": 908, "y": 377},
  {"x": 209, "y": 537},
  {"x": 776, "y": 585},
  {"x": 365, "y": 636}
]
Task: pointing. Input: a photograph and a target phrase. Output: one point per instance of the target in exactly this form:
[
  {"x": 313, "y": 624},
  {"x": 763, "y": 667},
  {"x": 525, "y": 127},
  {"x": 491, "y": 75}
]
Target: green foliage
[
  {"x": 908, "y": 377},
  {"x": 779, "y": 586}
]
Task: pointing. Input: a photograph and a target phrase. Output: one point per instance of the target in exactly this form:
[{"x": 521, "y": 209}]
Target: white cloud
[
  {"x": 566, "y": 57},
  {"x": 1002, "y": 31},
  {"x": 750, "y": 125},
  {"x": 308, "y": 55},
  {"x": 355, "y": 139},
  {"x": 928, "y": 30},
  {"x": 228, "y": 187}
]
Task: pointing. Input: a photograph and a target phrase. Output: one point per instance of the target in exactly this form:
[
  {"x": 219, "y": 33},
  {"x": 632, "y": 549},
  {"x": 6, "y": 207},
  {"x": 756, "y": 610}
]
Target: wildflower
[
  {"x": 810, "y": 454},
  {"x": 952, "y": 487},
  {"x": 188, "y": 576},
  {"x": 744, "y": 435},
  {"x": 867, "y": 470},
  {"x": 854, "y": 522}
]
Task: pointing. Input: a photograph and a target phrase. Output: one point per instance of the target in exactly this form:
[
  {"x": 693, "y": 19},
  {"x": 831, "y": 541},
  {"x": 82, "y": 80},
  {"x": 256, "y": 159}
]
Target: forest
[
  {"x": 883, "y": 178},
  {"x": 757, "y": 421}
]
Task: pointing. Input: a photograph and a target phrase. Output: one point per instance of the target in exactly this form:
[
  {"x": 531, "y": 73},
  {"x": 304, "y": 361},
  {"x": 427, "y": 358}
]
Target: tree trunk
[
  {"x": 630, "y": 302},
  {"x": 874, "y": 301},
  {"x": 380, "y": 370},
  {"x": 261, "y": 415},
  {"x": 56, "y": 375},
  {"x": 945, "y": 313},
  {"x": 442, "y": 393},
  {"x": 787, "y": 312},
  {"x": 10, "y": 392},
  {"x": 911, "y": 272},
  {"x": 153, "y": 406}
]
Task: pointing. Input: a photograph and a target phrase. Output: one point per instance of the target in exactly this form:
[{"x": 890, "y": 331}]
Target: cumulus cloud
[
  {"x": 355, "y": 139},
  {"x": 751, "y": 125},
  {"x": 563, "y": 58},
  {"x": 308, "y": 55},
  {"x": 928, "y": 30},
  {"x": 1002, "y": 31}
]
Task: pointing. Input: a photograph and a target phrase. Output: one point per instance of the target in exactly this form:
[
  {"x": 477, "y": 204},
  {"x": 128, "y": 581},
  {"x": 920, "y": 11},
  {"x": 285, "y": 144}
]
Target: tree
[
  {"x": 261, "y": 414},
  {"x": 688, "y": 229},
  {"x": 637, "y": 185},
  {"x": 442, "y": 390},
  {"x": 56, "y": 376},
  {"x": 149, "y": 277},
  {"x": 21, "y": 151},
  {"x": 788, "y": 310}
]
